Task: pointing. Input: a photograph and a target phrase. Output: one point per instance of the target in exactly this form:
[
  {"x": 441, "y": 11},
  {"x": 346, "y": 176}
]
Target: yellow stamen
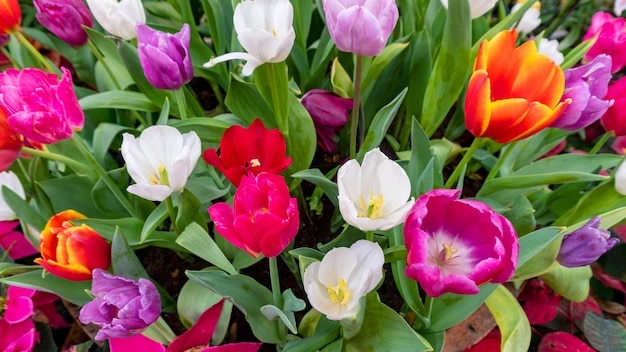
[
  {"x": 449, "y": 251},
  {"x": 374, "y": 207},
  {"x": 274, "y": 32},
  {"x": 340, "y": 293},
  {"x": 255, "y": 163},
  {"x": 161, "y": 178}
]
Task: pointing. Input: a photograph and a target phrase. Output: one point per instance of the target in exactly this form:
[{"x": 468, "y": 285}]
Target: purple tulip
[
  {"x": 361, "y": 27},
  {"x": 164, "y": 56},
  {"x": 121, "y": 307},
  {"x": 455, "y": 245},
  {"x": 586, "y": 86},
  {"x": 329, "y": 112},
  {"x": 39, "y": 106},
  {"x": 585, "y": 245},
  {"x": 65, "y": 18}
]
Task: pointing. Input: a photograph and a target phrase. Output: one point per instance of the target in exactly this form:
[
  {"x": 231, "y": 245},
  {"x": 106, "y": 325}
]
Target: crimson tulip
[
  {"x": 10, "y": 143},
  {"x": 249, "y": 150},
  {"x": 70, "y": 251},
  {"x": 10, "y": 16},
  {"x": 614, "y": 119}
]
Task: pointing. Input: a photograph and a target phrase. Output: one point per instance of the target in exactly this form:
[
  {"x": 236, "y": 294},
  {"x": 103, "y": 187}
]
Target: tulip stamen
[
  {"x": 340, "y": 293},
  {"x": 373, "y": 208},
  {"x": 274, "y": 32},
  {"x": 254, "y": 163}
]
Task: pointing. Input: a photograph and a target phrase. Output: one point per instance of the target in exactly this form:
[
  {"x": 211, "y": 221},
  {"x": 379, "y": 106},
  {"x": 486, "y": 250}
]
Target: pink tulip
[
  {"x": 455, "y": 245},
  {"x": 19, "y": 336},
  {"x": 14, "y": 242},
  {"x": 611, "y": 40},
  {"x": 65, "y": 18},
  {"x": 264, "y": 218},
  {"x": 361, "y": 27},
  {"x": 614, "y": 119},
  {"x": 39, "y": 106}
]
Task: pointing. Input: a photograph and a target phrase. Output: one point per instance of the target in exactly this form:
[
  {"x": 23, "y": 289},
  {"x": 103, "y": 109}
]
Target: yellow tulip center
[
  {"x": 254, "y": 163},
  {"x": 161, "y": 178},
  {"x": 373, "y": 208},
  {"x": 446, "y": 253},
  {"x": 340, "y": 293}
]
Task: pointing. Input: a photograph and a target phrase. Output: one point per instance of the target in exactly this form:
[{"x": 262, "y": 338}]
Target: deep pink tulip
[
  {"x": 264, "y": 218},
  {"x": 614, "y": 119},
  {"x": 39, "y": 106},
  {"x": 611, "y": 40},
  {"x": 65, "y": 18},
  {"x": 361, "y": 27},
  {"x": 455, "y": 245},
  {"x": 14, "y": 242},
  {"x": 19, "y": 336},
  {"x": 329, "y": 112}
]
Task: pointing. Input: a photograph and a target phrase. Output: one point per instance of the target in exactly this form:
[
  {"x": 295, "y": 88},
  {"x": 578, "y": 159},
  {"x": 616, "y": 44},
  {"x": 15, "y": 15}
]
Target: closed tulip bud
[
  {"x": 10, "y": 16},
  {"x": 71, "y": 251},
  {"x": 164, "y": 57},
  {"x": 65, "y": 18},
  {"x": 585, "y": 245},
  {"x": 530, "y": 19},
  {"x": 329, "y": 113},
  {"x": 118, "y": 17},
  {"x": 361, "y": 27}
]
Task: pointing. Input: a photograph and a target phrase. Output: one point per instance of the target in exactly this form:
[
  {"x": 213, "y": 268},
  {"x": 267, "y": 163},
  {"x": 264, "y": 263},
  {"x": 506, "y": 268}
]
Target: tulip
[
  {"x": 72, "y": 252},
  {"x": 12, "y": 182},
  {"x": 160, "y": 160},
  {"x": 165, "y": 57},
  {"x": 10, "y": 143},
  {"x": 585, "y": 245},
  {"x": 335, "y": 285},
  {"x": 65, "y": 19},
  {"x": 611, "y": 39},
  {"x": 122, "y": 307},
  {"x": 620, "y": 179},
  {"x": 477, "y": 7},
  {"x": 14, "y": 243},
  {"x": 586, "y": 86},
  {"x": 361, "y": 27},
  {"x": 329, "y": 113},
  {"x": 264, "y": 218},
  {"x": 18, "y": 337},
  {"x": 456, "y": 245},
  {"x": 618, "y": 7},
  {"x": 10, "y": 16},
  {"x": 249, "y": 150},
  {"x": 374, "y": 195},
  {"x": 39, "y": 106},
  {"x": 265, "y": 30},
  {"x": 118, "y": 17},
  {"x": 530, "y": 19},
  {"x": 550, "y": 48},
  {"x": 513, "y": 92},
  {"x": 614, "y": 119}
]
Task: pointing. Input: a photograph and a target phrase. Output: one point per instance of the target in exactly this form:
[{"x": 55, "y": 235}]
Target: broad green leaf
[
  {"x": 245, "y": 101},
  {"x": 603, "y": 334},
  {"x": 10, "y": 268},
  {"x": 419, "y": 73},
  {"x": 118, "y": 99},
  {"x": 292, "y": 304},
  {"x": 154, "y": 220},
  {"x": 103, "y": 136},
  {"x": 522, "y": 216},
  {"x": 72, "y": 291},
  {"x": 193, "y": 300},
  {"x": 601, "y": 199},
  {"x": 324, "y": 332},
  {"x": 571, "y": 283},
  {"x": 108, "y": 50},
  {"x": 316, "y": 177},
  {"x": 271, "y": 80},
  {"x": 381, "y": 61},
  {"x": 538, "y": 251},
  {"x": 571, "y": 163},
  {"x": 450, "y": 309},
  {"x": 245, "y": 293},
  {"x": 408, "y": 288},
  {"x": 131, "y": 228},
  {"x": 209, "y": 129},
  {"x": 196, "y": 240},
  {"x": 511, "y": 319},
  {"x": 528, "y": 181},
  {"x": 219, "y": 20},
  {"x": 22, "y": 209},
  {"x": 301, "y": 139}
]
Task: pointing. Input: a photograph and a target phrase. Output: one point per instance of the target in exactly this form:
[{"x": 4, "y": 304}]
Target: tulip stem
[
  {"x": 466, "y": 158},
  {"x": 428, "y": 308},
  {"x": 22, "y": 39},
  {"x": 605, "y": 137},
  {"x": 76, "y": 166},
  {"x": 369, "y": 235},
  {"x": 278, "y": 299},
  {"x": 356, "y": 107},
  {"x": 170, "y": 210},
  {"x": 182, "y": 105},
  {"x": 504, "y": 154}
]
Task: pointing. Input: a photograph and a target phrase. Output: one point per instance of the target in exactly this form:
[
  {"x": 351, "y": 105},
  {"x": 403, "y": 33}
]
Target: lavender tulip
[
  {"x": 65, "y": 19},
  {"x": 586, "y": 86},
  {"x": 455, "y": 245},
  {"x": 361, "y": 27},
  {"x": 585, "y": 245},
  {"x": 121, "y": 307},
  {"x": 329, "y": 113},
  {"x": 164, "y": 56}
]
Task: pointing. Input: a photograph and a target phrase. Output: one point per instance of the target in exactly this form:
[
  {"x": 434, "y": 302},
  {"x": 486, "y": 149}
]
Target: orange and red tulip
[
  {"x": 70, "y": 251},
  {"x": 514, "y": 92},
  {"x": 10, "y": 16}
]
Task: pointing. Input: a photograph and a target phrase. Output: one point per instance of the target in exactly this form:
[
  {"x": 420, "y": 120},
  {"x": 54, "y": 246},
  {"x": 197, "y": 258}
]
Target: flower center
[
  {"x": 340, "y": 293},
  {"x": 161, "y": 178},
  {"x": 253, "y": 163},
  {"x": 373, "y": 208},
  {"x": 446, "y": 253}
]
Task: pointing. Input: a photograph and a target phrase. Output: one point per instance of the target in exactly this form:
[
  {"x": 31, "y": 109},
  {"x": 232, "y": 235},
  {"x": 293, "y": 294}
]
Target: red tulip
[
  {"x": 10, "y": 143},
  {"x": 614, "y": 119},
  {"x": 10, "y": 16}
]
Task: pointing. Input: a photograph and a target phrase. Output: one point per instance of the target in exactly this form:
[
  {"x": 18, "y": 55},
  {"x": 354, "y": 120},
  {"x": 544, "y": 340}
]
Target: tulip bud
[
  {"x": 118, "y": 17},
  {"x": 65, "y": 18},
  {"x": 329, "y": 113},
  {"x": 10, "y": 16},
  {"x": 585, "y": 245}
]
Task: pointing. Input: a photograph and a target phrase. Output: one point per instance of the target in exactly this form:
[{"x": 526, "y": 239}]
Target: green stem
[
  {"x": 22, "y": 39},
  {"x": 466, "y": 158},
  {"x": 102, "y": 174},
  {"x": 428, "y": 307},
  {"x": 504, "y": 154},
  {"x": 278, "y": 298},
  {"x": 172, "y": 212},
  {"x": 76, "y": 166},
  {"x": 356, "y": 107},
  {"x": 596, "y": 148},
  {"x": 281, "y": 120},
  {"x": 182, "y": 105},
  {"x": 369, "y": 235}
]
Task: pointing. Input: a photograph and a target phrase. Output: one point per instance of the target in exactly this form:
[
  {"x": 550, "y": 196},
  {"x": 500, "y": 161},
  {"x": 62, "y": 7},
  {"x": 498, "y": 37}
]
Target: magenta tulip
[
  {"x": 361, "y": 27},
  {"x": 329, "y": 112},
  {"x": 39, "y": 106},
  {"x": 65, "y": 18},
  {"x": 611, "y": 40},
  {"x": 455, "y": 245},
  {"x": 19, "y": 336},
  {"x": 614, "y": 119},
  {"x": 264, "y": 218}
]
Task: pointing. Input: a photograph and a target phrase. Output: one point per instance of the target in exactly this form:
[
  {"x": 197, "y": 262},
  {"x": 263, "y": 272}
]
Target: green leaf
[
  {"x": 603, "y": 334},
  {"x": 131, "y": 228},
  {"x": 209, "y": 129},
  {"x": 245, "y": 101},
  {"x": 301, "y": 138},
  {"x": 245, "y": 293},
  {"x": 103, "y": 136},
  {"x": 72, "y": 291},
  {"x": 195, "y": 239},
  {"x": 340, "y": 79},
  {"x": 108, "y": 49},
  {"x": 571, "y": 283},
  {"x": 316, "y": 177},
  {"x": 379, "y": 63},
  {"x": 574, "y": 55},
  {"x": 384, "y": 329},
  {"x": 154, "y": 220},
  {"x": 272, "y": 82},
  {"x": 528, "y": 181},
  {"x": 118, "y": 99},
  {"x": 511, "y": 319},
  {"x": 601, "y": 199},
  {"x": 450, "y": 309},
  {"x": 408, "y": 288},
  {"x": 538, "y": 251},
  {"x": 193, "y": 300},
  {"x": 22, "y": 209}
]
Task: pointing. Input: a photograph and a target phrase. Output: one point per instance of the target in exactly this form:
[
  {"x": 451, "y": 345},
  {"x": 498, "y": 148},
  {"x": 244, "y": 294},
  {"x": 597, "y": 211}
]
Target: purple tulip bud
[
  {"x": 164, "y": 56},
  {"x": 329, "y": 112},
  {"x": 65, "y": 19},
  {"x": 586, "y": 85},
  {"x": 121, "y": 307},
  {"x": 585, "y": 245},
  {"x": 361, "y": 27}
]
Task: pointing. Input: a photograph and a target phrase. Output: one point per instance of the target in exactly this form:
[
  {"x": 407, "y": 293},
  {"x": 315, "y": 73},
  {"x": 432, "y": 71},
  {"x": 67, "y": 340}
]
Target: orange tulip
[
  {"x": 513, "y": 92},
  {"x": 10, "y": 16},
  {"x": 72, "y": 252}
]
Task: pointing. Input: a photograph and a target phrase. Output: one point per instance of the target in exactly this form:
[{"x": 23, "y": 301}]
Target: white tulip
[
  {"x": 619, "y": 6},
  {"x": 335, "y": 285},
  {"x": 550, "y": 48},
  {"x": 530, "y": 19},
  {"x": 477, "y": 7},
  {"x": 620, "y": 179},
  {"x": 375, "y": 195},
  {"x": 265, "y": 30},
  {"x": 118, "y": 17},
  {"x": 160, "y": 160},
  {"x": 12, "y": 182}
]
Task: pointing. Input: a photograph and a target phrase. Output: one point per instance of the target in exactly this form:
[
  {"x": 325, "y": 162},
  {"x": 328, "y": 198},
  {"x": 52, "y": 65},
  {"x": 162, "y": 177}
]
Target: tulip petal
[{"x": 477, "y": 103}]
